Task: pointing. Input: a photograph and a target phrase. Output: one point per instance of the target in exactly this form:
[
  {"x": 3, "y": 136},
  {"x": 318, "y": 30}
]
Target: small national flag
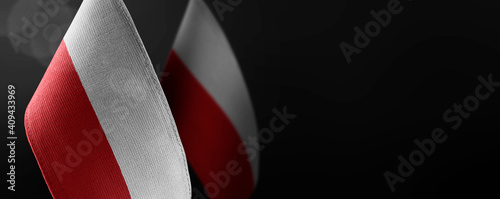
[
  {"x": 99, "y": 123},
  {"x": 212, "y": 106}
]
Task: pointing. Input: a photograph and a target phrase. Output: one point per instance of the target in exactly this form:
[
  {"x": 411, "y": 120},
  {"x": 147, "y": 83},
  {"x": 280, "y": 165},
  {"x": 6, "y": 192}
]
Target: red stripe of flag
[
  {"x": 74, "y": 164},
  {"x": 210, "y": 140}
]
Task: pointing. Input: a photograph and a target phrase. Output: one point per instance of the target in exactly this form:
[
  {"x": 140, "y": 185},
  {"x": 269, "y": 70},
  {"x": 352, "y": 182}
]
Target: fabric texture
[{"x": 108, "y": 61}]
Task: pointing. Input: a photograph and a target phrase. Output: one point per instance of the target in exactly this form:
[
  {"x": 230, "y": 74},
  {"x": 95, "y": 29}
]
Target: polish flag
[
  {"x": 99, "y": 123},
  {"x": 212, "y": 107}
]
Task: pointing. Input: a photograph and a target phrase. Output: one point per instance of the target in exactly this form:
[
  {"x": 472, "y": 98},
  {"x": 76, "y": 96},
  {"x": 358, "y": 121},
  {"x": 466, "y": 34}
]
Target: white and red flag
[
  {"x": 100, "y": 125},
  {"x": 212, "y": 106}
]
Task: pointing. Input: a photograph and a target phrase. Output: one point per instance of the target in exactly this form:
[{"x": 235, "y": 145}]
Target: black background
[{"x": 354, "y": 120}]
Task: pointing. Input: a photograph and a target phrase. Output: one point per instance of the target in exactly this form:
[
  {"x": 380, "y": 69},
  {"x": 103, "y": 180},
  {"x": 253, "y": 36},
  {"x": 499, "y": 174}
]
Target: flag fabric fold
[
  {"x": 99, "y": 123},
  {"x": 212, "y": 106}
]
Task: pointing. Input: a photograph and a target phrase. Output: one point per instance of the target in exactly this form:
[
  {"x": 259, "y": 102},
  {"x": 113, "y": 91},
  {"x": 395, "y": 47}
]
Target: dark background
[{"x": 353, "y": 121}]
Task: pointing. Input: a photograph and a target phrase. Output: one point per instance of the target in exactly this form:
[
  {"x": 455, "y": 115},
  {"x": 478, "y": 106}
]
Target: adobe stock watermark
[
  {"x": 372, "y": 29},
  {"x": 37, "y": 22},
  {"x": 251, "y": 147},
  {"x": 222, "y": 6},
  {"x": 35, "y": 28},
  {"x": 454, "y": 118},
  {"x": 127, "y": 92}
]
